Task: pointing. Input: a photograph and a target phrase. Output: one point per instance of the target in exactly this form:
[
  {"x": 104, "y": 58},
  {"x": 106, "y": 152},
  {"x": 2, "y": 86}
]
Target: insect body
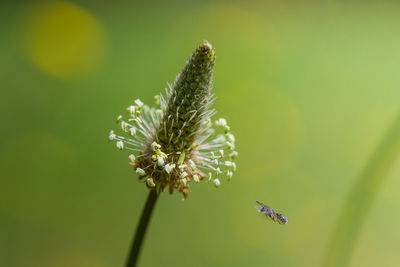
[
  {"x": 270, "y": 212},
  {"x": 281, "y": 218}
]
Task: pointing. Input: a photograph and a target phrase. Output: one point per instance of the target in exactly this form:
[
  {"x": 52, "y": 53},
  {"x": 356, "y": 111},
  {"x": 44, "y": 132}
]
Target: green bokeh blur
[{"x": 309, "y": 90}]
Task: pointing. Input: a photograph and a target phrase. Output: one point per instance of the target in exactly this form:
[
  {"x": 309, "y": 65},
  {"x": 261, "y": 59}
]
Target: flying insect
[{"x": 270, "y": 212}]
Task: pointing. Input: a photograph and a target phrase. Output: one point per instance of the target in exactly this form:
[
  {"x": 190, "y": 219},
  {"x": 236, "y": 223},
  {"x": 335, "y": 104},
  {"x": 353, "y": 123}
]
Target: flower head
[{"x": 176, "y": 141}]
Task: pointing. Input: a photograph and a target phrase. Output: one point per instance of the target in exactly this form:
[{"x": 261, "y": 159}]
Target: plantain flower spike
[{"x": 176, "y": 142}]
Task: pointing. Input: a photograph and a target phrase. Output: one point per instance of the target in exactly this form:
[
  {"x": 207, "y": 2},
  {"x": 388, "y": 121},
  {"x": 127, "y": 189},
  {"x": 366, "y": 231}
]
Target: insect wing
[{"x": 260, "y": 207}]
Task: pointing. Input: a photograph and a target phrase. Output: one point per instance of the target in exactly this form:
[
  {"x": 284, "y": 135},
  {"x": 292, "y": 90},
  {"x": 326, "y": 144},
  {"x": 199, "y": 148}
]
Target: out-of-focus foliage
[{"x": 308, "y": 88}]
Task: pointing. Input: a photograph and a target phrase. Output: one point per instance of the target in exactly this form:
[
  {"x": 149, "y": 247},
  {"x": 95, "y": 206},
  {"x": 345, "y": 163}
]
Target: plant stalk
[
  {"x": 359, "y": 202},
  {"x": 141, "y": 229}
]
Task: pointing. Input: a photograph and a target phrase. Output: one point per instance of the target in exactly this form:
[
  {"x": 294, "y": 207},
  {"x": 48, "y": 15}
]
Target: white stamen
[
  {"x": 112, "y": 136},
  {"x": 132, "y": 157},
  {"x": 132, "y": 131},
  {"x": 120, "y": 145},
  {"x": 216, "y": 182},
  {"x": 140, "y": 172},
  {"x": 150, "y": 182},
  {"x": 139, "y": 103}
]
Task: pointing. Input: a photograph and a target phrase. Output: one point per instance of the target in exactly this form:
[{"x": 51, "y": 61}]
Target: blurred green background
[{"x": 310, "y": 89}]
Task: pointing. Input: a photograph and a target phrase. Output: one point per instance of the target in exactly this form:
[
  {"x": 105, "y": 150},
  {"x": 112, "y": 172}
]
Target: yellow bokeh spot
[{"x": 63, "y": 39}]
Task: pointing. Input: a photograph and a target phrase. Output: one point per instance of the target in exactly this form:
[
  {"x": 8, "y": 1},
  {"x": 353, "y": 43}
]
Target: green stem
[
  {"x": 358, "y": 205},
  {"x": 141, "y": 228}
]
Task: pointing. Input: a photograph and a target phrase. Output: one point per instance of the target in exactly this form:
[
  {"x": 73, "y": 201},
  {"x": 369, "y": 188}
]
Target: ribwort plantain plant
[{"x": 176, "y": 142}]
